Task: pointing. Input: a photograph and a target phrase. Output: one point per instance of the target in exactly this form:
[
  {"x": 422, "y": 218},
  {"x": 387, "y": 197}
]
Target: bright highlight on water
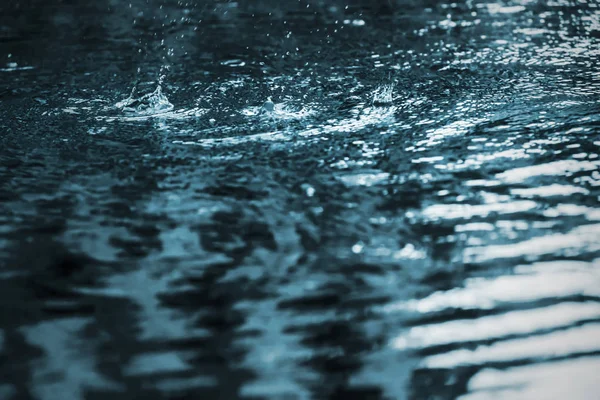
[{"x": 263, "y": 199}]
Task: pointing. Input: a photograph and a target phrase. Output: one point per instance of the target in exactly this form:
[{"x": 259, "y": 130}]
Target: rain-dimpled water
[{"x": 322, "y": 199}]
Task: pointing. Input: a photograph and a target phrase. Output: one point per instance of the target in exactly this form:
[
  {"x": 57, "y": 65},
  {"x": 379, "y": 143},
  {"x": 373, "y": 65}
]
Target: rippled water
[{"x": 294, "y": 200}]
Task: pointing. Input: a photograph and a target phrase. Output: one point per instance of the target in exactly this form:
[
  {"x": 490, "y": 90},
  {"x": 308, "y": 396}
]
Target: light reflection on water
[
  {"x": 570, "y": 379},
  {"x": 428, "y": 230}
]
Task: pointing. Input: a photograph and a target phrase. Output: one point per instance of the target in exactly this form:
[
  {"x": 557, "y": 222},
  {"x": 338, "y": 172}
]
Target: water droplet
[{"x": 358, "y": 248}]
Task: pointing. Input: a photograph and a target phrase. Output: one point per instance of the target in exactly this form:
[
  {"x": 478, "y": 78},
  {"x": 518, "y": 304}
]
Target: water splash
[
  {"x": 278, "y": 111},
  {"x": 268, "y": 106},
  {"x": 383, "y": 95},
  {"x": 148, "y": 104}
]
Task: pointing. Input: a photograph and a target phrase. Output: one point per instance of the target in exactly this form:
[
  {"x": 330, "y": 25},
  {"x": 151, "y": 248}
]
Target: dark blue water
[{"x": 299, "y": 200}]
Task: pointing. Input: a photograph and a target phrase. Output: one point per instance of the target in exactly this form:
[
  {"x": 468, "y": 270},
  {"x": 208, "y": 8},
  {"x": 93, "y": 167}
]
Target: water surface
[{"x": 322, "y": 199}]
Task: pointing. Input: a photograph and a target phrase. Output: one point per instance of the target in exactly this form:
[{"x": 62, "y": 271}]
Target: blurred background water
[{"x": 343, "y": 199}]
